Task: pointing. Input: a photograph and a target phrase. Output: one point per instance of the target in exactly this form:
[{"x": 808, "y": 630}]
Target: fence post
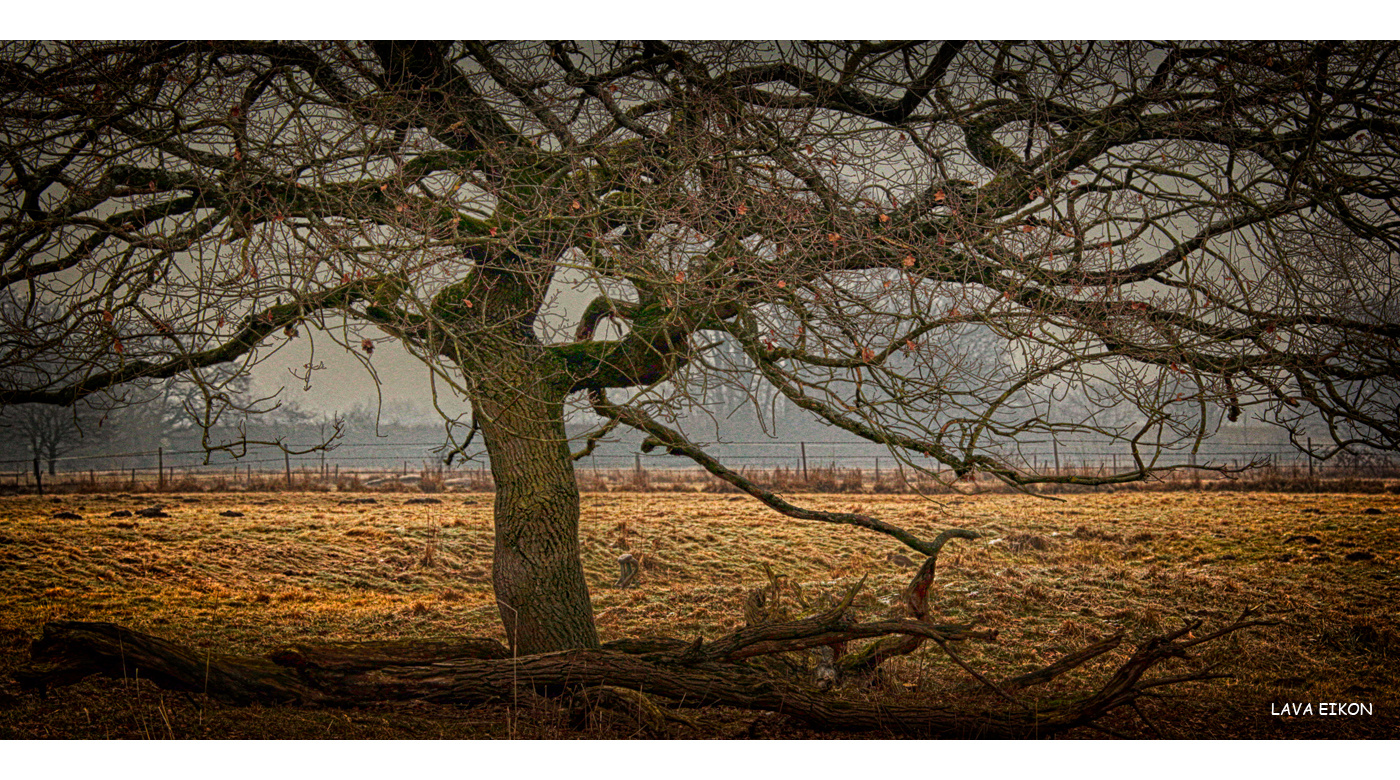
[
  {"x": 803, "y": 445},
  {"x": 1055, "y": 445},
  {"x": 160, "y": 468},
  {"x": 287, "y": 464},
  {"x": 38, "y": 478},
  {"x": 1310, "y": 458},
  {"x": 637, "y": 465}
]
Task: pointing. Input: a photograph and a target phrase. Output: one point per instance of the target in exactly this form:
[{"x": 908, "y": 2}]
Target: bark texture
[{"x": 538, "y": 570}]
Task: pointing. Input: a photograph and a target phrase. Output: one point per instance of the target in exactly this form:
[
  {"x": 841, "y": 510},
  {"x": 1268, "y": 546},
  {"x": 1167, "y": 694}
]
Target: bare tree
[
  {"x": 48, "y": 433},
  {"x": 547, "y": 224}
]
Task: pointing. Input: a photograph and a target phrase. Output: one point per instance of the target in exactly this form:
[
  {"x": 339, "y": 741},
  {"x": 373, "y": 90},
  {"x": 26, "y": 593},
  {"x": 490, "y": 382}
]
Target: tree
[
  {"x": 1194, "y": 226},
  {"x": 45, "y": 432},
  {"x": 48, "y": 433}
]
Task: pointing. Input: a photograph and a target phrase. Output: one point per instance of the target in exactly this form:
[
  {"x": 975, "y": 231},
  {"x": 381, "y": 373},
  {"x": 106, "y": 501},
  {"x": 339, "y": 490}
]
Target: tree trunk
[{"x": 537, "y": 573}]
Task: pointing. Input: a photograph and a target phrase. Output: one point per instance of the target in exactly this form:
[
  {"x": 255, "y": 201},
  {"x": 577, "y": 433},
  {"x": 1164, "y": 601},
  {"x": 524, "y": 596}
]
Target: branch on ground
[{"x": 474, "y": 671}]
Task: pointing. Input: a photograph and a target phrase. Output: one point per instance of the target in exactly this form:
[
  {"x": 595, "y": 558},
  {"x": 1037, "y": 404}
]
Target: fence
[{"x": 814, "y": 465}]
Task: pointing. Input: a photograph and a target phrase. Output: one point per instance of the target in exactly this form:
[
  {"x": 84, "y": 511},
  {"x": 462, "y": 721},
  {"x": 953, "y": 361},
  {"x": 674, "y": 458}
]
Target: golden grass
[{"x": 1052, "y": 575}]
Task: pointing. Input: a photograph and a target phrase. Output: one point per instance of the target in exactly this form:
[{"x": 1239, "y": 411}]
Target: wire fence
[{"x": 838, "y": 466}]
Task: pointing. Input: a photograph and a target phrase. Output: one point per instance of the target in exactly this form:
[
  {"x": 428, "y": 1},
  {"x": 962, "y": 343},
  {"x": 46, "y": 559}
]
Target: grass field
[{"x": 243, "y": 573}]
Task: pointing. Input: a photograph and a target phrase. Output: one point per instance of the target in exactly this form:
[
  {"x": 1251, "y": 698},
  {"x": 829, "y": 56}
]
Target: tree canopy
[{"x": 923, "y": 244}]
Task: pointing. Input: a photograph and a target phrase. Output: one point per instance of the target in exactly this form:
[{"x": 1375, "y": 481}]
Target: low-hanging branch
[
  {"x": 255, "y": 328},
  {"x": 676, "y": 443}
]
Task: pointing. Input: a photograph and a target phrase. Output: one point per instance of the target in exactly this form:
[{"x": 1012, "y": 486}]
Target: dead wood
[
  {"x": 1068, "y": 663},
  {"x": 916, "y": 604},
  {"x": 472, "y": 671}
]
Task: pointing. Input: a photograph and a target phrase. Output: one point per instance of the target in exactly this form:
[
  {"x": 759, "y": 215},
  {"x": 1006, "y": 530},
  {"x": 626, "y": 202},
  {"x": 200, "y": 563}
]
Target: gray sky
[
  {"x": 403, "y": 379},
  {"x": 344, "y": 383}
]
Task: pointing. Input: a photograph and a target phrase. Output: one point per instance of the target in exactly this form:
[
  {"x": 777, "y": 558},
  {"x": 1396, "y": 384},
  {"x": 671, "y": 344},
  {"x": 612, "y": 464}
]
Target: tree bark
[{"x": 538, "y": 572}]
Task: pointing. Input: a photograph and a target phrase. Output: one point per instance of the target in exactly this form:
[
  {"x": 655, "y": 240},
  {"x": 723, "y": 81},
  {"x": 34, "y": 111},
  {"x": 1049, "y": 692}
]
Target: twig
[
  {"x": 982, "y": 679},
  {"x": 1064, "y": 665},
  {"x": 1138, "y": 709}
]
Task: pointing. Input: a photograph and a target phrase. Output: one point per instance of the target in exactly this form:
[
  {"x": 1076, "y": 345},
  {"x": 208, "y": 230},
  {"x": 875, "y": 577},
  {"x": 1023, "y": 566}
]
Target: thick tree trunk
[{"x": 538, "y": 573}]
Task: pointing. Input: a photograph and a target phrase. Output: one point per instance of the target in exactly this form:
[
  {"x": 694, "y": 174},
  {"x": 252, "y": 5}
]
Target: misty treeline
[
  {"x": 126, "y": 430},
  {"x": 88, "y": 438}
]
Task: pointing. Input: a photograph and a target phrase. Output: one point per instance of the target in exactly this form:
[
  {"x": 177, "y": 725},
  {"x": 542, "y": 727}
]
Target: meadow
[{"x": 243, "y": 573}]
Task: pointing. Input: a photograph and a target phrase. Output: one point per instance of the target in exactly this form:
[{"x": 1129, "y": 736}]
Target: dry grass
[{"x": 1052, "y": 575}]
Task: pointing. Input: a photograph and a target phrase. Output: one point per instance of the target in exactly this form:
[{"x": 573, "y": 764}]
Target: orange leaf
[
  {"x": 1027, "y": 228},
  {"x": 781, "y": 284},
  {"x": 680, "y": 277},
  {"x": 834, "y": 238},
  {"x": 884, "y": 217},
  {"x": 743, "y": 209},
  {"x": 908, "y": 261},
  {"x": 939, "y": 196}
]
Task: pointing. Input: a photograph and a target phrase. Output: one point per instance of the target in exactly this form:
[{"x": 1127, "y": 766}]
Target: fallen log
[{"x": 475, "y": 671}]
